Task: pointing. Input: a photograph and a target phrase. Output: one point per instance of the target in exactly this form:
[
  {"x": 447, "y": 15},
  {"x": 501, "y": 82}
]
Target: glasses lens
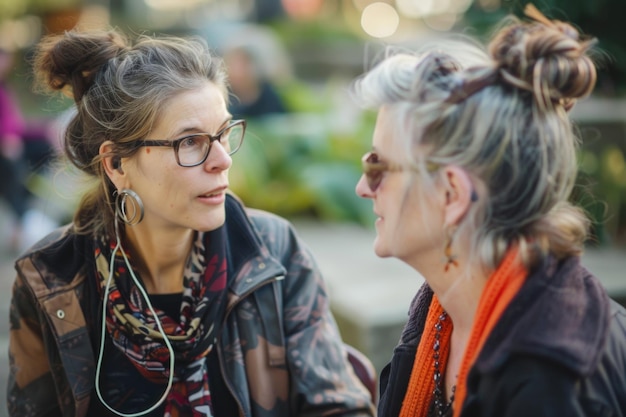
[
  {"x": 373, "y": 178},
  {"x": 232, "y": 138},
  {"x": 193, "y": 149},
  {"x": 373, "y": 170}
]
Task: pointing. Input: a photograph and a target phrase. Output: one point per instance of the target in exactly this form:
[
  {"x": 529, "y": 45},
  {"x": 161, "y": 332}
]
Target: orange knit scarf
[{"x": 500, "y": 289}]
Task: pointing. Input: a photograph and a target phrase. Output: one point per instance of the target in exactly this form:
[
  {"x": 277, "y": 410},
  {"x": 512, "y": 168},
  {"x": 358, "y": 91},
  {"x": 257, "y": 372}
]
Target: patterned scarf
[{"x": 134, "y": 329}]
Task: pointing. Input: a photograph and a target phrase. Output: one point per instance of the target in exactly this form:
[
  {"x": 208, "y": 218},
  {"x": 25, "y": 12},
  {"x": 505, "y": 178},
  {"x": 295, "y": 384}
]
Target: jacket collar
[
  {"x": 562, "y": 313},
  {"x": 250, "y": 262}
]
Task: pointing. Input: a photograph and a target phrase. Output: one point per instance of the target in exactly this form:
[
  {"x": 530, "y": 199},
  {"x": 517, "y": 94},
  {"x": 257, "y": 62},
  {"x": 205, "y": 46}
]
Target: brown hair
[{"x": 119, "y": 89}]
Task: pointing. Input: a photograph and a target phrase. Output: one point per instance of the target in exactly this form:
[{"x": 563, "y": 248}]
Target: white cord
[{"x": 103, "y": 334}]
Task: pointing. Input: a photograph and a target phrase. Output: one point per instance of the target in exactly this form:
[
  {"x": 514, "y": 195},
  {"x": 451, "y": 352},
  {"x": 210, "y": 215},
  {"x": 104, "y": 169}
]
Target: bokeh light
[
  {"x": 380, "y": 20},
  {"x": 302, "y": 9},
  {"x": 426, "y": 8},
  {"x": 19, "y": 33},
  {"x": 415, "y": 8},
  {"x": 172, "y": 4},
  {"x": 441, "y": 22}
]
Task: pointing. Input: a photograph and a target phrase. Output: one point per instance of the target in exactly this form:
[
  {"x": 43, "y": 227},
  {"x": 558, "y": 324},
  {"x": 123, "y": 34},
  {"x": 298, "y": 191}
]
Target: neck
[
  {"x": 459, "y": 295},
  {"x": 159, "y": 255},
  {"x": 458, "y": 289}
]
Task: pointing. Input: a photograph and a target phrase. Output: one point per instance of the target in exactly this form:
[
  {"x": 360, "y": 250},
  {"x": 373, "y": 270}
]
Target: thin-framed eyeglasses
[
  {"x": 374, "y": 168},
  {"x": 193, "y": 150}
]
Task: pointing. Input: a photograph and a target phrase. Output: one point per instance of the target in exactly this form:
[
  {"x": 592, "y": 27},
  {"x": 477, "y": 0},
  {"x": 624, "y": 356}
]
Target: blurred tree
[{"x": 15, "y": 8}]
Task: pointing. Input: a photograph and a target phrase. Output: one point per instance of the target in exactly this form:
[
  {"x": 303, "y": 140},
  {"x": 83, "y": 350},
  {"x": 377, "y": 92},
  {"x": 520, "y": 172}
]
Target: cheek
[
  {"x": 411, "y": 210},
  {"x": 166, "y": 191},
  {"x": 175, "y": 193}
]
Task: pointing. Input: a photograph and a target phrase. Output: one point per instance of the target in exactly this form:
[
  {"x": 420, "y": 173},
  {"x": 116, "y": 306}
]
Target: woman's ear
[
  {"x": 460, "y": 194},
  {"x": 112, "y": 163}
]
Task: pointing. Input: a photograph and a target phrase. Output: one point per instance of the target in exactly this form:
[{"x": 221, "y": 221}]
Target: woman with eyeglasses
[
  {"x": 470, "y": 173},
  {"x": 165, "y": 296}
]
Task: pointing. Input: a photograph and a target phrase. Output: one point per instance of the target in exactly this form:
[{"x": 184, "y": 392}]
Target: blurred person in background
[
  {"x": 470, "y": 173},
  {"x": 165, "y": 296},
  {"x": 12, "y": 169},
  {"x": 24, "y": 148},
  {"x": 254, "y": 94},
  {"x": 258, "y": 66}
]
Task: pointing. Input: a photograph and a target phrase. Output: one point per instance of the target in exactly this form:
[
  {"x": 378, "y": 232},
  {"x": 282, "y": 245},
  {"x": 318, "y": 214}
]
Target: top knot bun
[
  {"x": 69, "y": 62},
  {"x": 545, "y": 57}
]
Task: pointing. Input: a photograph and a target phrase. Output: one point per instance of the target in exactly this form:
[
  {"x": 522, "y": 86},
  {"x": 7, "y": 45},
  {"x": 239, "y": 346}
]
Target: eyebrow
[{"x": 194, "y": 130}]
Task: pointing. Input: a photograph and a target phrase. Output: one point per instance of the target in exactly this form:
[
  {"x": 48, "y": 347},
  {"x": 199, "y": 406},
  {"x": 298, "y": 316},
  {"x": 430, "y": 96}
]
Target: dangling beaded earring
[{"x": 449, "y": 257}]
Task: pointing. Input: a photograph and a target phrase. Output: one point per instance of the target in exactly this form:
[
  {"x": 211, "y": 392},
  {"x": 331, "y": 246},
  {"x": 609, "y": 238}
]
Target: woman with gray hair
[
  {"x": 470, "y": 173},
  {"x": 166, "y": 296}
]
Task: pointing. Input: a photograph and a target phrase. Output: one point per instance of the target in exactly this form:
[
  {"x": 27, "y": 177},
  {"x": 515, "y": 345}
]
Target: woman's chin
[
  {"x": 210, "y": 225},
  {"x": 380, "y": 249}
]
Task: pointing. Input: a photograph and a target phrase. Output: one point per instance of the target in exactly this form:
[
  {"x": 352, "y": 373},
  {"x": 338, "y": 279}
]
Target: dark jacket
[
  {"x": 279, "y": 349},
  {"x": 559, "y": 349}
]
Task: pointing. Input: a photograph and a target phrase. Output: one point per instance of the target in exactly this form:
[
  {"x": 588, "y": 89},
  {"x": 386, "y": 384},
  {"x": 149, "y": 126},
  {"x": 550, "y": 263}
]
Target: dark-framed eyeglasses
[
  {"x": 374, "y": 168},
  {"x": 193, "y": 150}
]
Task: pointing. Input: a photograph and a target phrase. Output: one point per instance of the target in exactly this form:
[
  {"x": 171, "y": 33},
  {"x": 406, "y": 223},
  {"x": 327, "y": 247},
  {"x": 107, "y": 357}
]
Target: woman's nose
[
  {"x": 218, "y": 158},
  {"x": 362, "y": 188}
]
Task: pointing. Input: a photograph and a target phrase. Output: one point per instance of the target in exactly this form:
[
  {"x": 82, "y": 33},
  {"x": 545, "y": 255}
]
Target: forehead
[{"x": 201, "y": 109}]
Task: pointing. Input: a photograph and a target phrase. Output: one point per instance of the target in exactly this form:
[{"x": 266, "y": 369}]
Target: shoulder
[
  {"x": 280, "y": 237},
  {"x": 269, "y": 227},
  {"x": 267, "y": 221},
  {"x": 561, "y": 313},
  {"x": 607, "y": 384},
  {"x": 527, "y": 386},
  {"x": 603, "y": 390},
  {"x": 54, "y": 261},
  {"x": 274, "y": 235},
  {"x": 618, "y": 318},
  {"x": 614, "y": 354}
]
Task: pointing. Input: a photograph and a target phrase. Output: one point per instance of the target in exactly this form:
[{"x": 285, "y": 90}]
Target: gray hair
[{"x": 505, "y": 122}]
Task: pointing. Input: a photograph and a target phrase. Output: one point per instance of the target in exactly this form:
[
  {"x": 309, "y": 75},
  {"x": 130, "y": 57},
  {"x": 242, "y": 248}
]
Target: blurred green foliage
[
  {"x": 297, "y": 165},
  {"x": 602, "y": 19},
  {"x": 601, "y": 184}
]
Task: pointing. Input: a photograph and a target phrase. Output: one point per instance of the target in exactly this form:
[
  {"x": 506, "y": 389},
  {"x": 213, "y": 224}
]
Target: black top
[{"x": 126, "y": 390}]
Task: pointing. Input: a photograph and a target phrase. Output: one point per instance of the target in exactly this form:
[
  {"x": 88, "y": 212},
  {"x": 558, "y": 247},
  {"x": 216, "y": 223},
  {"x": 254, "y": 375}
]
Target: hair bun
[
  {"x": 71, "y": 60},
  {"x": 545, "y": 57}
]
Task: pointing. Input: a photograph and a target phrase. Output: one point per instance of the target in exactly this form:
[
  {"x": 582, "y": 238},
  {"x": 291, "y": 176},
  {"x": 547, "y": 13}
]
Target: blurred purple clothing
[
  {"x": 34, "y": 134},
  {"x": 12, "y": 171},
  {"x": 11, "y": 120}
]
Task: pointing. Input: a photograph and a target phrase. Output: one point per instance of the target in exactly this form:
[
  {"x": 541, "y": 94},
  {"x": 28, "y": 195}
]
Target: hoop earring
[
  {"x": 121, "y": 199},
  {"x": 449, "y": 258}
]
